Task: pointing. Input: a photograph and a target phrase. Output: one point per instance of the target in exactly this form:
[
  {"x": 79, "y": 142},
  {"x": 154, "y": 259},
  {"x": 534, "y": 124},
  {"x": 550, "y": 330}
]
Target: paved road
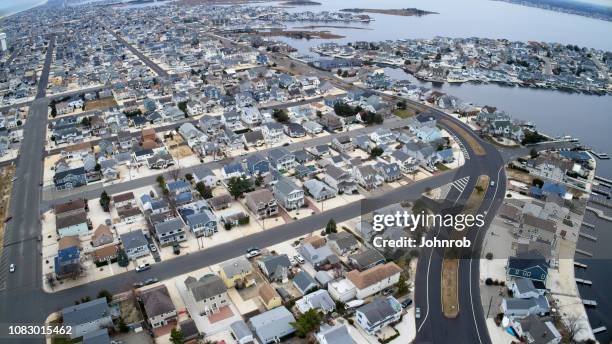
[{"x": 154, "y": 66}]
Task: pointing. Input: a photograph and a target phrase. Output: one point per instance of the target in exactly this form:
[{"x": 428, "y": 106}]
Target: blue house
[
  {"x": 67, "y": 262},
  {"x": 69, "y": 179},
  {"x": 257, "y": 164},
  {"x": 530, "y": 265}
]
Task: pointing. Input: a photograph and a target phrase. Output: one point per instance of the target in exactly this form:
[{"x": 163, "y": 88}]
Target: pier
[
  {"x": 583, "y": 281},
  {"x": 588, "y": 225},
  {"x": 599, "y": 213},
  {"x": 587, "y": 236},
  {"x": 604, "y": 180},
  {"x": 580, "y": 265},
  {"x": 584, "y": 253}
]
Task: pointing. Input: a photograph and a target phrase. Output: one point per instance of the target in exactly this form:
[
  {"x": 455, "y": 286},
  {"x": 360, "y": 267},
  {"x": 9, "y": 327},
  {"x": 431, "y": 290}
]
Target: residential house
[
  {"x": 269, "y": 297},
  {"x": 318, "y": 300},
  {"x": 87, "y": 317},
  {"x": 530, "y": 265},
  {"x": 124, "y": 200},
  {"x": 262, "y": 203},
  {"x": 366, "y": 259},
  {"x": 520, "y": 308},
  {"x": 523, "y": 288},
  {"x": 390, "y": 172},
  {"x": 236, "y": 271},
  {"x": 343, "y": 144},
  {"x": 367, "y": 177},
  {"x": 72, "y": 224},
  {"x": 342, "y": 243},
  {"x": 158, "y": 306},
  {"x": 256, "y": 164},
  {"x": 339, "y": 179},
  {"x": 317, "y": 255},
  {"x": 135, "y": 244},
  {"x": 273, "y": 325},
  {"x": 170, "y": 231},
  {"x": 69, "y": 179},
  {"x": 241, "y": 332},
  {"x": 253, "y": 138},
  {"x": 319, "y": 190},
  {"x": 304, "y": 282},
  {"x": 374, "y": 280},
  {"x": 207, "y": 294},
  {"x": 536, "y": 330},
  {"x": 233, "y": 170},
  {"x": 203, "y": 223},
  {"x": 250, "y": 116},
  {"x": 281, "y": 159},
  {"x": 337, "y": 334},
  {"x": 372, "y": 317},
  {"x": 287, "y": 194},
  {"x": 206, "y": 176},
  {"x": 273, "y": 132},
  {"x": 275, "y": 268},
  {"x": 101, "y": 236}
]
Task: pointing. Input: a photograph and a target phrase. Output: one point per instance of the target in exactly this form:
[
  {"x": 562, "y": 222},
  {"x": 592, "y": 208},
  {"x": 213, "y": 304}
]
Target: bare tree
[{"x": 573, "y": 325}]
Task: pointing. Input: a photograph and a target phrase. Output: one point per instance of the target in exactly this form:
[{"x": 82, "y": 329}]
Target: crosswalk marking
[{"x": 460, "y": 184}]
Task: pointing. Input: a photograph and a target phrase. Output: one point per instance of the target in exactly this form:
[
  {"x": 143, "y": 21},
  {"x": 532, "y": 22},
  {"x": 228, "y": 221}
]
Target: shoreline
[{"x": 9, "y": 14}]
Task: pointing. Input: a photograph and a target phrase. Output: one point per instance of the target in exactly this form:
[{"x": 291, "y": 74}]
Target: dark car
[
  {"x": 8, "y": 219},
  {"x": 139, "y": 284},
  {"x": 151, "y": 281},
  {"x": 406, "y": 303},
  {"x": 387, "y": 292}
]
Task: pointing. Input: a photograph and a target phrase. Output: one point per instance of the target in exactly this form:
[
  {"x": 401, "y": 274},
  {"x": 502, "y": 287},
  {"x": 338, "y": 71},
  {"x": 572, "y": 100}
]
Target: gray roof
[
  {"x": 367, "y": 257},
  {"x": 273, "y": 323},
  {"x": 380, "y": 309},
  {"x": 273, "y": 262},
  {"x": 236, "y": 266},
  {"x": 304, "y": 282},
  {"x": 206, "y": 287},
  {"x": 99, "y": 336},
  {"x": 344, "y": 240},
  {"x": 285, "y": 186},
  {"x": 524, "y": 285},
  {"x": 85, "y": 312},
  {"x": 174, "y": 224},
  {"x": 336, "y": 335},
  {"x": 240, "y": 330},
  {"x": 157, "y": 301},
  {"x": 133, "y": 240},
  {"x": 320, "y": 299}
]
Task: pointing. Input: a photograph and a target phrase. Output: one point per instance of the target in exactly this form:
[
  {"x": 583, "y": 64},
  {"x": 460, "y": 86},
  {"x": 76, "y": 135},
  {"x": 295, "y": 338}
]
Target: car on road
[
  {"x": 299, "y": 258},
  {"x": 253, "y": 253},
  {"x": 492, "y": 183},
  {"x": 152, "y": 248},
  {"x": 417, "y": 313},
  {"x": 8, "y": 219},
  {"x": 406, "y": 303},
  {"x": 14, "y": 178},
  {"x": 143, "y": 267},
  {"x": 139, "y": 285},
  {"x": 12, "y": 267},
  {"x": 151, "y": 281}
]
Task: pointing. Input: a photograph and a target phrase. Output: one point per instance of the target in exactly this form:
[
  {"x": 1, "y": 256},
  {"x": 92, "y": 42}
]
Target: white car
[
  {"x": 253, "y": 253},
  {"x": 152, "y": 248},
  {"x": 417, "y": 313},
  {"x": 492, "y": 183},
  {"x": 299, "y": 258},
  {"x": 12, "y": 268}
]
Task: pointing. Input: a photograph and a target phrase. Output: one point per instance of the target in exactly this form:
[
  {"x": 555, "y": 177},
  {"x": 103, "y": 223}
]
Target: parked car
[
  {"x": 406, "y": 303},
  {"x": 417, "y": 313},
  {"x": 152, "y": 248},
  {"x": 138, "y": 285},
  {"x": 299, "y": 258},
  {"x": 143, "y": 267},
  {"x": 151, "y": 281},
  {"x": 12, "y": 267},
  {"x": 176, "y": 249},
  {"x": 253, "y": 253}
]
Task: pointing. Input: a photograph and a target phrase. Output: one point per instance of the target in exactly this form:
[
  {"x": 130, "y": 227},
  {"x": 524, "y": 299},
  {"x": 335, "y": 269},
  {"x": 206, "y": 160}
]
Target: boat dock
[
  {"x": 603, "y": 180},
  {"x": 583, "y": 281},
  {"x": 588, "y": 225},
  {"x": 584, "y": 253},
  {"x": 580, "y": 265},
  {"x": 587, "y": 236}
]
